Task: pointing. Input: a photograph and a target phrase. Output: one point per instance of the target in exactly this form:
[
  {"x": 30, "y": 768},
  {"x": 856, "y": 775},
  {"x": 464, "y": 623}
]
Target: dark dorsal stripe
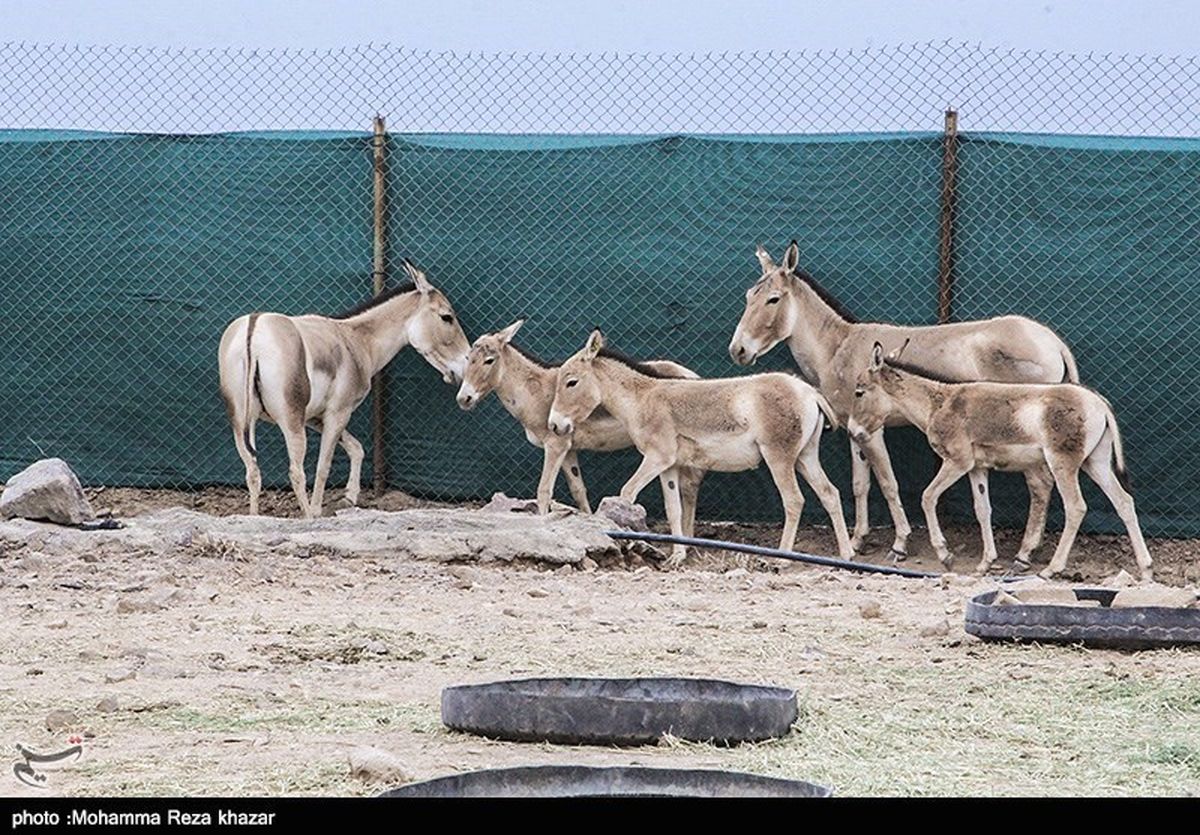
[
  {"x": 639, "y": 367},
  {"x": 387, "y": 295},
  {"x": 536, "y": 360},
  {"x": 827, "y": 297},
  {"x": 900, "y": 365}
]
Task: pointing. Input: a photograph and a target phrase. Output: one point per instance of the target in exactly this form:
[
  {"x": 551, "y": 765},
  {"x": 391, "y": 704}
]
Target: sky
[
  {"x": 1144, "y": 26},
  {"x": 766, "y": 66}
]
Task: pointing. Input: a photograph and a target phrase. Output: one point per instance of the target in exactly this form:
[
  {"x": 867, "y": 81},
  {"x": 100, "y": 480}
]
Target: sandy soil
[{"x": 203, "y": 671}]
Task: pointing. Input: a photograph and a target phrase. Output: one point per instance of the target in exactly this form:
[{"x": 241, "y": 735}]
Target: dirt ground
[{"x": 257, "y": 675}]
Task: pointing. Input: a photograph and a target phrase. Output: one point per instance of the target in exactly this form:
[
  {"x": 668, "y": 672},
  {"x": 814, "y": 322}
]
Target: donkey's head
[
  {"x": 577, "y": 392},
  {"x": 485, "y": 365},
  {"x": 873, "y": 394},
  {"x": 769, "y": 315},
  {"x": 434, "y": 330}
]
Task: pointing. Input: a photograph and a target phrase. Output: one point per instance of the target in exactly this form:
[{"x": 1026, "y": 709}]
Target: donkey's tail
[
  {"x": 1072, "y": 370},
  {"x": 823, "y": 404},
  {"x": 251, "y": 372},
  {"x": 1118, "y": 449}
]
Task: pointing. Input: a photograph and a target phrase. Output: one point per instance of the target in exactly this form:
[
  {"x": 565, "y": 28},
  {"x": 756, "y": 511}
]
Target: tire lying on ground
[
  {"x": 1100, "y": 624},
  {"x": 586, "y": 781},
  {"x": 615, "y": 711}
]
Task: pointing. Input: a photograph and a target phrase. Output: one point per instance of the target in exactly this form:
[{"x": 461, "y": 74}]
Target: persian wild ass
[
  {"x": 298, "y": 371},
  {"x": 727, "y": 425},
  {"x": 525, "y": 387},
  {"x": 976, "y": 427},
  {"x": 831, "y": 347}
]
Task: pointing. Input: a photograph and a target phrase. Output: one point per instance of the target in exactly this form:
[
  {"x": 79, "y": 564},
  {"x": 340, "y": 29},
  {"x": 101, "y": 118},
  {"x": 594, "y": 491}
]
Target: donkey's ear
[
  {"x": 791, "y": 258},
  {"x": 594, "y": 344},
  {"x": 764, "y": 258},
  {"x": 508, "y": 333},
  {"x": 877, "y": 357},
  {"x": 418, "y": 277}
]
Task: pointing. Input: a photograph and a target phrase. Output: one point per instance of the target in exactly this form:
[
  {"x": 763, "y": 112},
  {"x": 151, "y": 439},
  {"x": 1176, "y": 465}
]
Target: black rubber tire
[
  {"x": 629, "y": 781},
  {"x": 608, "y": 711},
  {"x": 1139, "y": 627}
]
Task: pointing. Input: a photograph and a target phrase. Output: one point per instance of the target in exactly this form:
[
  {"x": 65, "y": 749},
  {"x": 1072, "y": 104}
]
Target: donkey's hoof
[
  {"x": 1047, "y": 574},
  {"x": 897, "y": 556},
  {"x": 1020, "y": 566}
]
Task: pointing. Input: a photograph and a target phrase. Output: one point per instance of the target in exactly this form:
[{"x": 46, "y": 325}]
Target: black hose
[{"x": 762, "y": 551}]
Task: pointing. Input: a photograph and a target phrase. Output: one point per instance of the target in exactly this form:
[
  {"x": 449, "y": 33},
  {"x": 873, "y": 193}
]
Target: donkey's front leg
[
  {"x": 653, "y": 463},
  {"x": 983, "y": 513},
  {"x": 554, "y": 449},
  {"x": 946, "y": 476},
  {"x": 881, "y": 463},
  {"x": 674, "y": 507},
  {"x": 861, "y": 481},
  {"x": 575, "y": 481}
]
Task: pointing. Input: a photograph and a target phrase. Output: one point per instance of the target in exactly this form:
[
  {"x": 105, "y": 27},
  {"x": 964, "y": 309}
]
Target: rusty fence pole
[
  {"x": 379, "y": 281},
  {"x": 946, "y": 243}
]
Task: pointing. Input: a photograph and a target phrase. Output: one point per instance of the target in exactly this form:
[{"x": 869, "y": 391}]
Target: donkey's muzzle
[
  {"x": 740, "y": 355},
  {"x": 467, "y": 402}
]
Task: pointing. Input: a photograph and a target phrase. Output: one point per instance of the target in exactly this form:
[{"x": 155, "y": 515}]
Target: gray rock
[
  {"x": 46, "y": 490},
  {"x": 374, "y": 765},
  {"x": 624, "y": 514},
  {"x": 108, "y": 704},
  {"x": 870, "y": 609},
  {"x": 935, "y": 629},
  {"x": 58, "y": 720}
]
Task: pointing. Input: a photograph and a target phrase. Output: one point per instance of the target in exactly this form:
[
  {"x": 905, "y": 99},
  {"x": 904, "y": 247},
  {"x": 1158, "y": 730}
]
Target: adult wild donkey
[
  {"x": 832, "y": 347},
  {"x": 726, "y": 425},
  {"x": 315, "y": 370},
  {"x": 525, "y": 386},
  {"x": 976, "y": 427}
]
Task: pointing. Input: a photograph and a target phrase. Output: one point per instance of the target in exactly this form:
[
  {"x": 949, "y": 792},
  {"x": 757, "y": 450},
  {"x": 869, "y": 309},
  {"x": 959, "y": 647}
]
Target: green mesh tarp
[{"x": 123, "y": 257}]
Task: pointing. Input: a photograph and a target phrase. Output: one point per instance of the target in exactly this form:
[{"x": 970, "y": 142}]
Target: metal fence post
[
  {"x": 379, "y": 281},
  {"x": 946, "y": 243}
]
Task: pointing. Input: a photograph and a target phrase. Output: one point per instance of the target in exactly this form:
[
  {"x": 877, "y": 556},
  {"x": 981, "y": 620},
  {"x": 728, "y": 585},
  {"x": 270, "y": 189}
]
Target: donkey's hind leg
[
  {"x": 809, "y": 464},
  {"x": 1099, "y": 466},
  {"x": 253, "y": 473},
  {"x": 296, "y": 439},
  {"x": 782, "y": 464},
  {"x": 689, "y": 493},
  {"x": 332, "y": 426},
  {"x": 354, "y": 451},
  {"x": 1041, "y": 485},
  {"x": 1066, "y": 477}
]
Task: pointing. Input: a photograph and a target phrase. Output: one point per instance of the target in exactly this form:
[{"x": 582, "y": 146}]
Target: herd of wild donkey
[{"x": 1000, "y": 394}]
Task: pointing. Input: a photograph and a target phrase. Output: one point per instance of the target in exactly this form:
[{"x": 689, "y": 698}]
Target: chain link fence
[{"x": 150, "y": 196}]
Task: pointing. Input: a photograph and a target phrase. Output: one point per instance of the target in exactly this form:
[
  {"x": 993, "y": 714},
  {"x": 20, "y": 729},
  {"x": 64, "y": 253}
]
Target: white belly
[{"x": 722, "y": 453}]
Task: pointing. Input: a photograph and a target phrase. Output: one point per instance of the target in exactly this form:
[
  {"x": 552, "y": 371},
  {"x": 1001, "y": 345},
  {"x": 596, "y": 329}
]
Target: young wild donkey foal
[
  {"x": 525, "y": 387},
  {"x": 299, "y": 371},
  {"x": 976, "y": 427},
  {"x": 727, "y": 425}
]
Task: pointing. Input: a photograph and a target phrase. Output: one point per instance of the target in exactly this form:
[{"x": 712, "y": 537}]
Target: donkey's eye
[
  {"x": 572, "y": 383},
  {"x": 489, "y": 360},
  {"x": 447, "y": 318},
  {"x": 773, "y": 300},
  {"x": 859, "y": 392}
]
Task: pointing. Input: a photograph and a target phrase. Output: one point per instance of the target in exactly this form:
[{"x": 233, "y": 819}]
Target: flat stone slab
[{"x": 442, "y": 534}]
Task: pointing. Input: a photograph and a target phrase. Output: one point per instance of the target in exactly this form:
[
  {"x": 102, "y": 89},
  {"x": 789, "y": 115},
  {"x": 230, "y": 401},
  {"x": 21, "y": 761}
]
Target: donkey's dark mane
[
  {"x": 827, "y": 297},
  {"x": 387, "y": 295},
  {"x": 916, "y": 370},
  {"x": 533, "y": 358},
  {"x": 639, "y": 367}
]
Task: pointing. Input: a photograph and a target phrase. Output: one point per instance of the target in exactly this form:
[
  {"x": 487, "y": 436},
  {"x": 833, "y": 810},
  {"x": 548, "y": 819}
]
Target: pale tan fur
[
  {"x": 299, "y": 371},
  {"x": 727, "y": 425},
  {"x": 830, "y": 351},
  {"x": 526, "y": 390},
  {"x": 976, "y": 427}
]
